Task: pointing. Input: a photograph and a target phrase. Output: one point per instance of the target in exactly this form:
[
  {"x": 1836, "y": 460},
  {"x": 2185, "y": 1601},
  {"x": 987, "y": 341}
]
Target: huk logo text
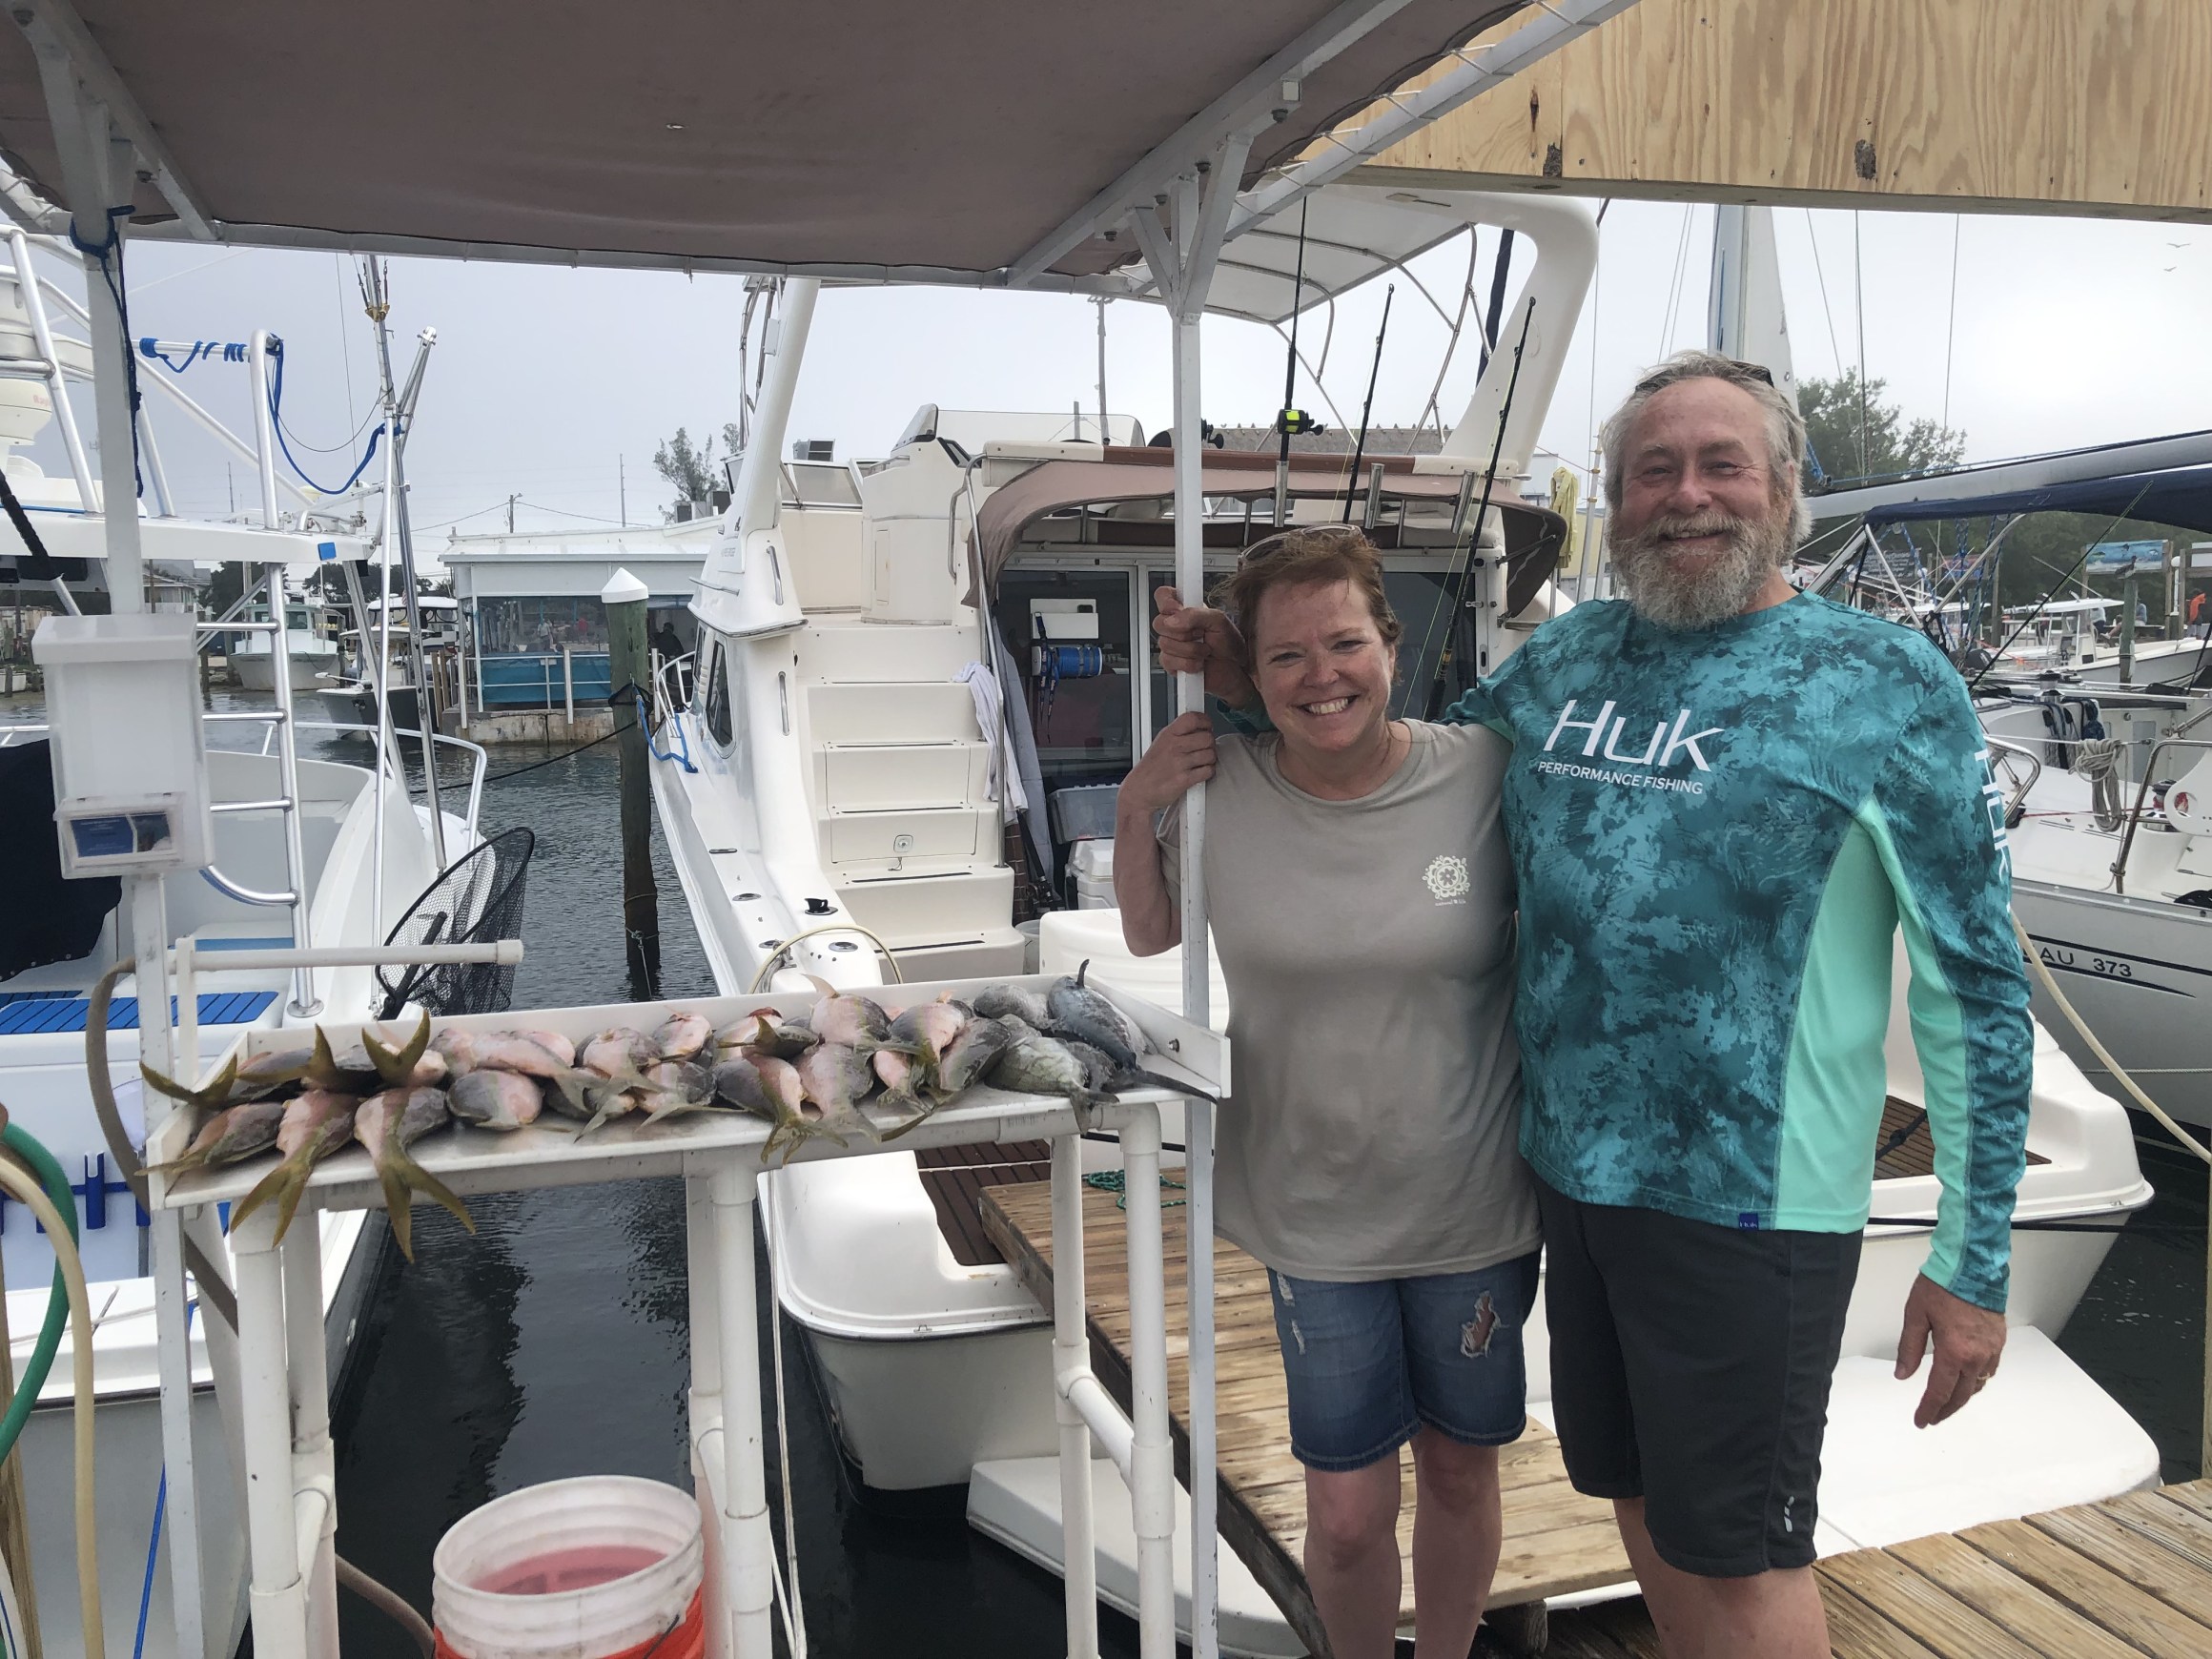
[{"x": 1666, "y": 746}]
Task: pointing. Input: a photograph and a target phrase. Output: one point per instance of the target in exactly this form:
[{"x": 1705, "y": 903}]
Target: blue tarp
[{"x": 2181, "y": 497}]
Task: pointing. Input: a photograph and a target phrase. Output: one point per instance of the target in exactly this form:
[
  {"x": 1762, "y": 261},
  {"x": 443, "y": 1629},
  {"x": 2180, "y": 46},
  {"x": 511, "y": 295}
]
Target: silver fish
[
  {"x": 316, "y": 1124},
  {"x": 554, "y": 1044},
  {"x": 387, "y": 1125},
  {"x": 235, "y": 1133},
  {"x": 786, "y": 1095},
  {"x": 847, "y": 1018},
  {"x": 617, "y": 1050},
  {"x": 1007, "y": 1001},
  {"x": 677, "y": 1086},
  {"x": 683, "y": 1036},
  {"x": 502, "y": 1100}
]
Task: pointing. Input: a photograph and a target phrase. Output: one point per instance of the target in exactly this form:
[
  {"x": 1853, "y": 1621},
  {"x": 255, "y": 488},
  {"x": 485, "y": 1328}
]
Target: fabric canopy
[
  {"x": 2181, "y": 497},
  {"x": 860, "y": 138}
]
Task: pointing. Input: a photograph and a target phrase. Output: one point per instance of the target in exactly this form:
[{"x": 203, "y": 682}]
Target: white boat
[
  {"x": 313, "y": 653},
  {"x": 2113, "y": 893},
  {"x": 306, "y": 850},
  {"x": 834, "y": 798}
]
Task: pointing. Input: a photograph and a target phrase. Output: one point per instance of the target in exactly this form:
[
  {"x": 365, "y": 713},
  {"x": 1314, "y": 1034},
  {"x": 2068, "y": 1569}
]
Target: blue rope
[
  {"x": 233, "y": 352},
  {"x": 277, "y": 420},
  {"x": 675, "y": 723}
]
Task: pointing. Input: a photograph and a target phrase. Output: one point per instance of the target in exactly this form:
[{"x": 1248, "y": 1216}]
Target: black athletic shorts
[{"x": 1689, "y": 1368}]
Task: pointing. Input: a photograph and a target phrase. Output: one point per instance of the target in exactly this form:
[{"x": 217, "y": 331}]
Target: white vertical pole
[
  {"x": 172, "y": 1320},
  {"x": 309, "y": 1386},
  {"x": 35, "y": 306},
  {"x": 1072, "y": 1358},
  {"x": 703, "y": 1289},
  {"x": 568, "y": 685},
  {"x": 112, "y": 371},
  {"x": 1151, "y": 1456},
  {"x": 1199, "y": 1114},
  {"x": 748, "y": 1546},
  {"x": 277, "y": 1598}
]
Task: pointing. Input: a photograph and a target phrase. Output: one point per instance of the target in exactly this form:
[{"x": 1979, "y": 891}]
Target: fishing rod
[
  {"x": 1455, "y": 584},
  {"x": 1360, "y": 449},
  {"x": 1290, "y": 420}
]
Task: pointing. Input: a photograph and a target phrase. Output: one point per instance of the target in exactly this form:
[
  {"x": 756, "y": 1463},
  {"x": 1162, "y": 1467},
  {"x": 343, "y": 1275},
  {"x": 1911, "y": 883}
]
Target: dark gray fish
[
  {"x": 1078, "y": 1012},
  {"x": 1037, "y": 1064}
]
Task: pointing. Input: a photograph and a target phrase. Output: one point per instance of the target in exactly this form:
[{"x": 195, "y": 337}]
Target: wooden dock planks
[
  {"x": 1556, "y": 1540},
  {"x": 2120, "y": 1580}
]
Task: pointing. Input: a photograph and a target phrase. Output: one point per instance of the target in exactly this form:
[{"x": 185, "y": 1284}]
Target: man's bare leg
[
  {"x": 1768, "y": 1615},
  {"x": 1456, "y": 1530},
  {"x": 1351, "y": 1556}
]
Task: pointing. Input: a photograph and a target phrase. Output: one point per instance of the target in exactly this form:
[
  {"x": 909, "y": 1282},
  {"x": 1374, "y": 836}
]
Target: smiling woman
[{"x": 1358, "y": 894}]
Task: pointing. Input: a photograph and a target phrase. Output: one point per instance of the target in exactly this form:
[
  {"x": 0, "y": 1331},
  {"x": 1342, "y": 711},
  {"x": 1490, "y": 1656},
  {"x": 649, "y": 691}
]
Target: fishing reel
[{"x": 1296, "y": 423}]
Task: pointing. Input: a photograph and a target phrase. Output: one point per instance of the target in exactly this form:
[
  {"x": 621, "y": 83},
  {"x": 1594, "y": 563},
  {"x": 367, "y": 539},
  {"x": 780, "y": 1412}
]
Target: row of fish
[{"x": 806, "y": 1076}]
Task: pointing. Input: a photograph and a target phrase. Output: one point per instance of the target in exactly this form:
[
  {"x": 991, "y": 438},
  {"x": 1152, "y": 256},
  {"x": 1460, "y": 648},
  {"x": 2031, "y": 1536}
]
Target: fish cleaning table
[
  {"x": 1557, "y": 1541},
  {"x": 281, "y": 1397}
]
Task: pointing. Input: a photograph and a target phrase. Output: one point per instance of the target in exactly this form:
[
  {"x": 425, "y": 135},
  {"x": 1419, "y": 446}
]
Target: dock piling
[{"x": 625, "y": 598}]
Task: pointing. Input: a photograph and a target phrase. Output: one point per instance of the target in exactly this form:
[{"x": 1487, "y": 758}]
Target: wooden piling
[{"x": 625, "y": 598}]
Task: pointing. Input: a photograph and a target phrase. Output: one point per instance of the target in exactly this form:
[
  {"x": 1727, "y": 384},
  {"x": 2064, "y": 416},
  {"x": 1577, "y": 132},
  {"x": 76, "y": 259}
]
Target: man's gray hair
[{"x": 1784, "y": 429}]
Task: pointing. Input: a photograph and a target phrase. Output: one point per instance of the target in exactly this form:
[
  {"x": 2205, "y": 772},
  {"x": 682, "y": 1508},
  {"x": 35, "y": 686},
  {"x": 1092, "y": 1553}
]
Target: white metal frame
[{"x": 291, "y": 1509}]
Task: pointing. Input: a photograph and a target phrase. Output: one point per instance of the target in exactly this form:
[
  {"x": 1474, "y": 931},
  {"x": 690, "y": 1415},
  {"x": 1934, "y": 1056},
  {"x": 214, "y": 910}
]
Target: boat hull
[
  {"x": 2140, "y": 973},
  {"x": 256, "y": 670}
]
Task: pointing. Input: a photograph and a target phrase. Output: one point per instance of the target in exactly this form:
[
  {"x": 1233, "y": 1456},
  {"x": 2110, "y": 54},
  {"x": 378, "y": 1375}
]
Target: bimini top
[
  {"x": 944, "y": 142},
  {"x": 2181, "y": 497},
  {"x": 1134, "y": 475}
]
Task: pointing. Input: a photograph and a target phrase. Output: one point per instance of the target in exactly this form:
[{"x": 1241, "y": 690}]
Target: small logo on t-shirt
[{"x": 1447, "y": 879}]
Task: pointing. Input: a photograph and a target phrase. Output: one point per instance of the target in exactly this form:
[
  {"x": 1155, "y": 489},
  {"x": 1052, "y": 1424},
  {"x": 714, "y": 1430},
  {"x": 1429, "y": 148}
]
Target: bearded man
[{"x": 1726, "y": 798}]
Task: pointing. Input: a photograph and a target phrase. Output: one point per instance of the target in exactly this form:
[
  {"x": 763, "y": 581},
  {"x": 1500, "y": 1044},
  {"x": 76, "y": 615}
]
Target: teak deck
[{"x": 1556, "y": 1540}]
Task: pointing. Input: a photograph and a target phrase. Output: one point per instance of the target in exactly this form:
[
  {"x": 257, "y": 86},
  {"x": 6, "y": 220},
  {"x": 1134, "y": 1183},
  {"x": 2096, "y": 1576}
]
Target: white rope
[{"x": 2103, "y": 1054}]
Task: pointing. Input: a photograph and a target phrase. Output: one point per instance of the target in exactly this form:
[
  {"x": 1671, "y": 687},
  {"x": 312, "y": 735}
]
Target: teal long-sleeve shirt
[{"x": 1717, "y": 835}]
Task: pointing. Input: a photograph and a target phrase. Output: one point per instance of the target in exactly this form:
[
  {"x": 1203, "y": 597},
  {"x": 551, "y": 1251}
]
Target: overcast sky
[{"x": 549, "y": 383}]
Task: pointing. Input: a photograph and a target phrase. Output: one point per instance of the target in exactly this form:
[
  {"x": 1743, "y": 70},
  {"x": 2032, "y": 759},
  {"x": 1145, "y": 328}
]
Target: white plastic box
[{"x": 130, "y": 757}]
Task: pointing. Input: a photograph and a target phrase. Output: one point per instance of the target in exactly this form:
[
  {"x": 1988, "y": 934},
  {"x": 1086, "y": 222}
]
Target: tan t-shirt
[{"x": 1368, "y": 950}]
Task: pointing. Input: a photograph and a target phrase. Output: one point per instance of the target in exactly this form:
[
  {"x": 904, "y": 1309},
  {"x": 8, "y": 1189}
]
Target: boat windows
[
  {"x": 813, "y": 483},
  {"x": 1069, "y": 634},
  {"x": 541, "y": 622},
  {"x": 718, "y": 698}
]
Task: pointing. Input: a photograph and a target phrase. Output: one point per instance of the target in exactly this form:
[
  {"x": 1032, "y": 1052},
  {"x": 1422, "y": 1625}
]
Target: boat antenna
[
  {"x": 1455, "y": 583},
  {"x": 1290, "y": 420},
  {"x": 1373, "y": 369}
]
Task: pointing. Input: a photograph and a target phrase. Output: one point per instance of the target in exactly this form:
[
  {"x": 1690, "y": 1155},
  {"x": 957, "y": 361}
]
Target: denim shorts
[{"x": 1368, "y": 1363}]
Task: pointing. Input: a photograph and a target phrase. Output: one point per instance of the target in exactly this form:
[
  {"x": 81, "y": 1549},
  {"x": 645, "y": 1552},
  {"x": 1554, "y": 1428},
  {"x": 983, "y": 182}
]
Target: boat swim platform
[
  {"x": 2123, "y": 1579},
  {"x": 1557, "y": 1541}
]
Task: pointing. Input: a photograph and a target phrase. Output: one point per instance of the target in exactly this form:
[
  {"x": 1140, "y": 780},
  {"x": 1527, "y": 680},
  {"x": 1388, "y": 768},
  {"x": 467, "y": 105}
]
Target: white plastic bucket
[{"x": 527, "y": 1576}]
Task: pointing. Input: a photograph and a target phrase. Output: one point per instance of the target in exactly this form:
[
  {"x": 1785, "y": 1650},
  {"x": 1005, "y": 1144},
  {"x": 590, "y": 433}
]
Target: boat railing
[
  {"x": 479, "y": 759},
  {"x": 2004, "y": 756},
  {"x": 2142, "y": 793},
  {"x": 669, "y": 674}
]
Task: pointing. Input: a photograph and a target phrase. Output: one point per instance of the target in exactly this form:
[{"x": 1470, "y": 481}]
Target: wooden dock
[
  {"x": 2125, "y": 1579},
  {"x": 1557, "y": 1541},
  {"x": 2120, "y": 1580}
]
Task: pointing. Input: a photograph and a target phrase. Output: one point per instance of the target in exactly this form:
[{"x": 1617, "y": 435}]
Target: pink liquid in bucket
[{"x": 561, "y": 1571}]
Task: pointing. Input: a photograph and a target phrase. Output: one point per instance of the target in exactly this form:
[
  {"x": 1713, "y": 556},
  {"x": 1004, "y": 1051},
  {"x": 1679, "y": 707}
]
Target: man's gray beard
[{"x": 1717, "y": 588}]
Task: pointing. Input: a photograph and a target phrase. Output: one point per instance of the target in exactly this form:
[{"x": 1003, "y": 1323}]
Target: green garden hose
[{"x": 40, "y": 1162}]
